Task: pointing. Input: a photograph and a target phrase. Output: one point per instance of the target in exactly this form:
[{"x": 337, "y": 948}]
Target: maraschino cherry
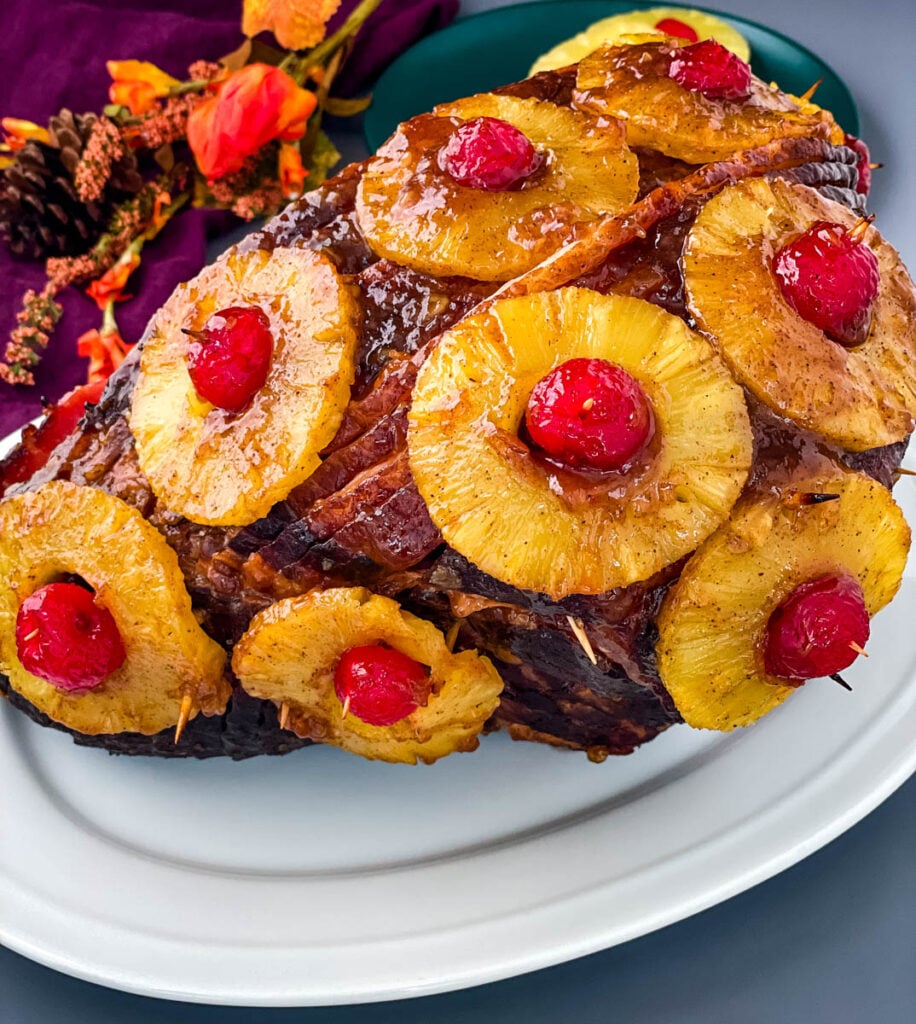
[
  {"x": 589, "y": 414},
  {"x": 380, "y": 685},
  {"x": 489, "y": 154},
  {"x": 829, "y": 276},
  {"x": 863, "y": 163},
  {"x": 229, "y": 358},
  {"x": 65, "y": 638},
  {"x": 673, "y": 27},
  {"x": 818, "y": 630},
  {"x": 709, "y": 68}
]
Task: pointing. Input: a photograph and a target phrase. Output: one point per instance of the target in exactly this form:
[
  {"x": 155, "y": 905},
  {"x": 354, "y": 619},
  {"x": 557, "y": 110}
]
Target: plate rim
[
  {"x": 897, "y": 768},
  {"x": 847, "y": 794},
  {"x": 879, "y": 789}
]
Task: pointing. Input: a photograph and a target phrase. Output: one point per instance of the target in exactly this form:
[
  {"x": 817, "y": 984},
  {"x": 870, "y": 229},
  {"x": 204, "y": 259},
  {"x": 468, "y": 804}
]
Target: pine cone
[
  {"x": 55, "y": 200},
  {"x": 41, "y": 214},
  {"x": 70, "y": 133}
]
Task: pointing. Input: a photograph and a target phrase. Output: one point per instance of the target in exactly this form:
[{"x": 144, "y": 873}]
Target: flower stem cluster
[{"x": 238, "y": 134}]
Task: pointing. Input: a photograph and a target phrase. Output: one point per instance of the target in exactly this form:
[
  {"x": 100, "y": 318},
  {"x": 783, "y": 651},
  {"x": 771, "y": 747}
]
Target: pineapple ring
[
  {"x": 291, "y": 649},
  {"x": 712, "y": 625},
  {"x": 859, "y": 398},
  {"x": 507, "y": 512},
  {"x": 412, "y": 212},
  {"x": 612, "y": 30},
  {"x": 632, "y": 83},
  {"x": 220, "y": 468},
  {"x": 62, "y": 528}
]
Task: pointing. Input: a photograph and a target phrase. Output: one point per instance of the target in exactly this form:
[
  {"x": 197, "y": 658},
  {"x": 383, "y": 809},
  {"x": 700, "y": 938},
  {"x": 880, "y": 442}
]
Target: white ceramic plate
[{"x": 318, "y": 878}]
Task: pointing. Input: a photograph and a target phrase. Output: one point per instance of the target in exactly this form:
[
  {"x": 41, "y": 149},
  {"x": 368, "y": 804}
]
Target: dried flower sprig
[
  {"x": 104, "y": 146},
  {"x": 35, "y": 322},
  {"x": 249, "y": 124}
]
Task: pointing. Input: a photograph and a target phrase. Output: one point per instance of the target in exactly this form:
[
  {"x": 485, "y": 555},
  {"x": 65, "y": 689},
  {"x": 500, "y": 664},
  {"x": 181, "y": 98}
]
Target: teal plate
[{"x": 482, "y": 51}]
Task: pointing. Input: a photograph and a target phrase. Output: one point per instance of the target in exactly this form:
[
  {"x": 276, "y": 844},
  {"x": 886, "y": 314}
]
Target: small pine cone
[
  {"x": 69, "y": 134},
  {"x": 41, "y": 214},
  {"x": 72, "y": 134}
]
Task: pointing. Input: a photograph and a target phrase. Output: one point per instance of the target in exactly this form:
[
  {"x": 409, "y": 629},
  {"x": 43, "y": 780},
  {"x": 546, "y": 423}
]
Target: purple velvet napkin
[{"x": 54, "y": 54}]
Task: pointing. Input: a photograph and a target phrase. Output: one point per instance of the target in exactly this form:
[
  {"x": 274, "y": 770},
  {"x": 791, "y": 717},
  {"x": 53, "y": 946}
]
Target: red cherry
[
  {"x": 65, "y": 638},
  {"x": 709, "y": 68},
  {"x": 673, "y": 27},
  {"x": 831, "y": 279},
  {"x": 589, "y": 414},
  {"x": 489, "y": 154},
  {"x": 382, "y": 685},
  {"x": 229, "y": 359},
  {"x": 810, "y": 633},
  {"x": 863, "y": 164}
]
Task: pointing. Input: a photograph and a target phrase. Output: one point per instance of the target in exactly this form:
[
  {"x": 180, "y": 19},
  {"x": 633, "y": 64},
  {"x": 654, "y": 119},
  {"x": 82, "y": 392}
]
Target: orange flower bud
[
  {"x": 290, "y": 170},
  {"x": 137, "y": 84},
  {"x": 109, "y": 287},
  {"x": 253, "y": 106},
  {"x": 105, "y": 351},
  {"x": 17, "y": 132}
]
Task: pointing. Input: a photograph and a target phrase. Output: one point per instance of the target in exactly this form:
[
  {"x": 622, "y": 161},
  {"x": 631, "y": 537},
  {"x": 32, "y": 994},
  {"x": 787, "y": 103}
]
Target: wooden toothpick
[
  {"x": 578, "y": 628},
  {"x": 857, "y": 231},
  {"x": 804, "y": 499},
  {"x": 184, "y": 713},
  {"x": 805, "y": 96}
]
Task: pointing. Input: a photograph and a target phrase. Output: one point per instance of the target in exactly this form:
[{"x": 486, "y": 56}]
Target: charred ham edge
[
  {"x": 359, "y": 518},
  {"x": 248, "y": 728}
]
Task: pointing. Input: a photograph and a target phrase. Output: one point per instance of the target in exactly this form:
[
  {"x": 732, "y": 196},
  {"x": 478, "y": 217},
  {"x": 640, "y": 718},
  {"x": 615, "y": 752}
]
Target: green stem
[
  {"x": 164, "y": 217},
  {"x": 195, "y": 85},
  {"x": 294, "y": 66},
  {"x": 109, "y": 323},
  {"x": 325, "y": 49},
  {"x": 307, "y": 145}
]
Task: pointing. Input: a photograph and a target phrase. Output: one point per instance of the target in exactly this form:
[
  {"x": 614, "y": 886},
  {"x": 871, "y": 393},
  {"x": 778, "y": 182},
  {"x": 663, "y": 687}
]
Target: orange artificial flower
[
  {"x": 296, "y": 24},
  {"x": 291, "y": 172},
  {"x": 110, "y": 286},
  {"x": 137, "y": 84},
  {"x": 253, "y": 106},
  {"x": 106, "y": 350},
  {"x": 17, "y": 132}
]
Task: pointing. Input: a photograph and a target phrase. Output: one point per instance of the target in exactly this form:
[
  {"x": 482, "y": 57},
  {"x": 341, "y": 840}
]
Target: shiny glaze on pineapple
[
  {"x": 635, "y": 63},
  {"x": 318, "y": 536}
]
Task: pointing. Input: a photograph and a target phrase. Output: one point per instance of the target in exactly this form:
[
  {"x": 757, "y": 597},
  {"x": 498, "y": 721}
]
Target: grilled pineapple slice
[
  {"x": 860, "y": 398},
  {"x": 611, "y": 31},
  {"x": 221, "y": 468},
  {"x": 632, "y": 83},
  {"x": 713, "y": 622},
  {"x": 63, "y": 529},
  {"x": 291, "y": 649},
  {"x": 411, "y": 211},
  {"x": 523, "y": 521}
]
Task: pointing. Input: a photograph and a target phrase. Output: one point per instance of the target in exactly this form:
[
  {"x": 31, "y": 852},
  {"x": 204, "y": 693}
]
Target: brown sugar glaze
[{"x": 360, "y": 520}]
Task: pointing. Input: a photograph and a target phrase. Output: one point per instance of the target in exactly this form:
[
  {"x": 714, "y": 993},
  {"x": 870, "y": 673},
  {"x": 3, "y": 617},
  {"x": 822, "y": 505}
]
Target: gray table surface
[{"x": 831, "y": 940}]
